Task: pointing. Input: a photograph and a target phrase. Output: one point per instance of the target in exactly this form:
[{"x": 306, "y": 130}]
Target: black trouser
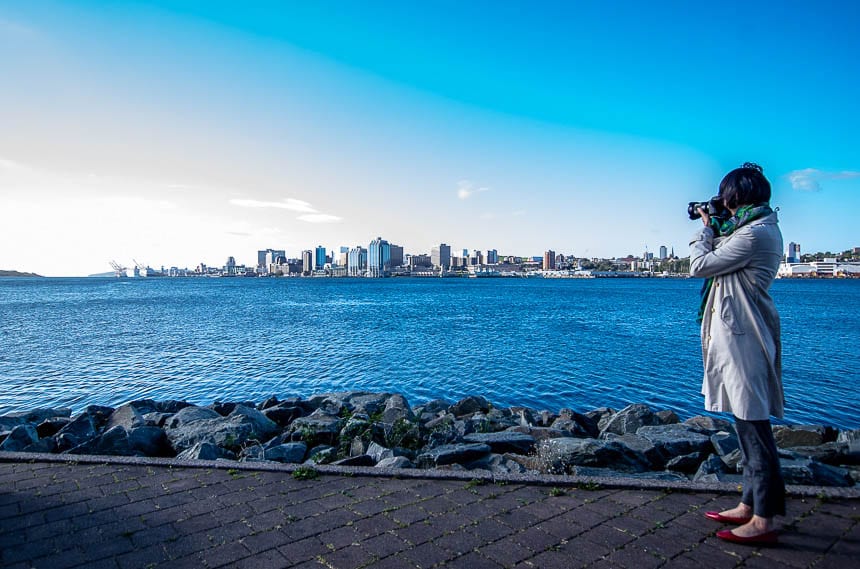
[{"x": 764, "y": 489}]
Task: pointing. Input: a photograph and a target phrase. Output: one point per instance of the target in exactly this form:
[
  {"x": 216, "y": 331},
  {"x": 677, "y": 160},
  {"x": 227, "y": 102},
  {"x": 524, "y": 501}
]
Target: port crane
[{"x": 118, "y": 269}]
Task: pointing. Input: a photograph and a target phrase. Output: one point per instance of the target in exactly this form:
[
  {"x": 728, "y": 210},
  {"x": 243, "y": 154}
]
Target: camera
[{"x": 714, "y": 207}]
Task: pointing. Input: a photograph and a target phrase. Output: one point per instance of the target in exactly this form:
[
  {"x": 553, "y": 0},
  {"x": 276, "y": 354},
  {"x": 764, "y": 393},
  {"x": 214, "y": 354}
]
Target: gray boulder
[
  {"x": 127, "y": 416},
  {"x": 379, "y": 452},
  {"x": 798, "y": 435},
  {"x": 395, "y": 462},
  {"x": 50, "y": 427},
  {"x": 709, "y": 424},
  {"x": 35, "y": 416},
  {"x": 675, "y": 440},
  {"x": 321, "y": 454},
  {"x": 190, "y": 415},
  {"x": 317, "y": 428},
  {"x": 150, "y": 441},
  {"x": 287, "y": 452},
  {"x": 667, "y": 417},
  {"x": 725, "y": 442},
  {"x": 205, "y": 451},
  {"x": 452, "y": 454},
  {"x": 397, "y": 409},
  {"x": 559, "y": 456},
  {"x": 469, "y": 405},
  {"x": 194, "y": 425},
  {"x": 812, "y": 473},
  {"x": 641, "y": 445},
  {"x": 687, "y": 463},
  {"x": 497, "y": 464},
  {"x": 712, "y": 469},
  {"x": 46, "y": 445},
  {"x": 369, "y": 403},
  {"x": 284, "y": 413},
  {"x": 21, "y": 437},
  {"x": 113, "y": 442},
  {"x": 360, "y": 460},
  {"x": 504, "y": 441},
  {"x": 99, "y": 414},
  {"x": 77, "y": 432},
  {"x": 630, "y": 420}
]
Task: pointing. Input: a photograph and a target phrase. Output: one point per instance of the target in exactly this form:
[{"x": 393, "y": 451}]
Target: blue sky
[{"x": 176, "y": 133}]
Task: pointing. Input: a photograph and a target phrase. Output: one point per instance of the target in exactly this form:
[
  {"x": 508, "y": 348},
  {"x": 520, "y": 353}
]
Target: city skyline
[{"x": 183, "y": 132}]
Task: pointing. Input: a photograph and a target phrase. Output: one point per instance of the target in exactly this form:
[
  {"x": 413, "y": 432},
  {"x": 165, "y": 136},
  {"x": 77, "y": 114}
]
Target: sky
[{"x": 175, "y": 133}]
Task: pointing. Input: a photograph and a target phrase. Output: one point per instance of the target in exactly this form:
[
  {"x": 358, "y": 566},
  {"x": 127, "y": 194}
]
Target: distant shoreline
[{"x": 4, "y": 273}]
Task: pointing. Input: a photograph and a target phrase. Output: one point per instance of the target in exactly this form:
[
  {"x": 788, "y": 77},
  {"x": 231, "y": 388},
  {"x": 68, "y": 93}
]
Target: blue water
[{"x": 542, "y": 343}]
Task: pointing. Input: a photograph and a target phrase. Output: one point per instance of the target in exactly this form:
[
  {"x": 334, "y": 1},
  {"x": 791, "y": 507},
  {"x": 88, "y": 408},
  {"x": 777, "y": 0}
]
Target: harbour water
[{"x": 543, "y": 343}]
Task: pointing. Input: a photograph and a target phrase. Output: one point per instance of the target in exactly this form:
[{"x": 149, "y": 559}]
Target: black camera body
[{"x": 714, "y": 208}]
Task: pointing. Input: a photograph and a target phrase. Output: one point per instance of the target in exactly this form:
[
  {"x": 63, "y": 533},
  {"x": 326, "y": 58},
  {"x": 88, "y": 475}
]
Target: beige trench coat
[{"x": 741, "y": 346}]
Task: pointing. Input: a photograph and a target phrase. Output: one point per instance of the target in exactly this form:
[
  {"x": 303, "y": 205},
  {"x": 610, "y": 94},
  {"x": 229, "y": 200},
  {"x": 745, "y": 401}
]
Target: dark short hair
[{"x": 745, "y": 186}]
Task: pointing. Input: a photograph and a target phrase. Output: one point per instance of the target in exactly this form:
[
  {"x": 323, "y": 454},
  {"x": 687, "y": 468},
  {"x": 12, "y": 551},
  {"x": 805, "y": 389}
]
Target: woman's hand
[{"x": 706, "y": 219}]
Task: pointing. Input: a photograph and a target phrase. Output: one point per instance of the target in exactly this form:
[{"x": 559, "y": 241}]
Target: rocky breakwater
[{"x": 383, "y": 430}]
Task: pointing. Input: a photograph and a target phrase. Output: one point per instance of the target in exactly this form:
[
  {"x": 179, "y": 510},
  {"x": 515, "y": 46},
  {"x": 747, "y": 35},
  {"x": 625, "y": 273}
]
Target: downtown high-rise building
[
  {"x": 307, "y": 261},
  {"x": 492, "y": 257},
  {"x": 549, "y": 260},
  {"x": 664, "y": 253},
  {"x": 266, "y": 257},
  {"x": 793, "y": 255},
  {"x": 319, "y": 258},
  {"x": 441, "y": 256},
  {"x": 396, "y": 255},
  {"x": 378, "y": 258},
  {"x": 356, "y": 263}
]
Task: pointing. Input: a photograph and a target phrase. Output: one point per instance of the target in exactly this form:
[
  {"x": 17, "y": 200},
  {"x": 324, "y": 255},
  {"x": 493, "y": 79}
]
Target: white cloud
[
  {"x": 465, "y": 189},
  {"x": 289, "y": 203},
  {"x": 809, "y": 179},
  {"x": 319, "y": 218}
]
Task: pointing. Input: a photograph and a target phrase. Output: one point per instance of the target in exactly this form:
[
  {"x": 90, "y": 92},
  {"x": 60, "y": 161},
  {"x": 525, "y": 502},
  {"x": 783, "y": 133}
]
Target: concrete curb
[{"x": 422, "y": 474}]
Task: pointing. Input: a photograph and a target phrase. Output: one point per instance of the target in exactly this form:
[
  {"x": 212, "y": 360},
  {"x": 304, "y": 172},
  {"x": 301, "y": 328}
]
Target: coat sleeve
[{"x": 733, "y": 255}]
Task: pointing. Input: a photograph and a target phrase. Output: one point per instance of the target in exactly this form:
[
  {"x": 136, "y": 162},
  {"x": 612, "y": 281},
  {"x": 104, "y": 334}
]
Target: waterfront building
[
  {"x": 307, "y": 261},
  {"x": 549, "y": 260},
  {"x": 477, "y": 259},
  {"x": 492, "y": 257},
  {"x": 356, "y": 264},
  {"x": 378, "y": 258},
  {"x": 663, "y": 252},
  {"x": 230, "y": 266},
  {"x": 793, "y": 255},
  {"x": 829, "y": 267},
  {"x": 319, "y": 257},
  {"x": 266, "y": 257},
  {"x": 415, "y": 261},
  {"x": 396, "y": 255},
  {"x": 441, "y": 256}
]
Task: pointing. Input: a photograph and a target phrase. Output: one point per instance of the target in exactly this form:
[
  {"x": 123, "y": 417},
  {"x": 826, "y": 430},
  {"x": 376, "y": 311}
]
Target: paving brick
[
  {"x": 459, "y": 542},
  {"x": 270, "y": 559},
  {"x": 143, "y": 557},
  {"x": 420, "y": 532},
  {"x": 222, "y": 555},
  {"x": 303, "y": 549},
  {"x": 474, "y": 560},
  {"x": 427, "y": 555},
  {"x": 605, "y": 534},
  {"x": 506, "y": 552}
]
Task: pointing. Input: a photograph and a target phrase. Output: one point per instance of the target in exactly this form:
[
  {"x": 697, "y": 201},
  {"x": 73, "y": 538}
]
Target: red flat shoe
[
  {"x": 767, "y": 538},
  {"x": 718, "y": 517}
]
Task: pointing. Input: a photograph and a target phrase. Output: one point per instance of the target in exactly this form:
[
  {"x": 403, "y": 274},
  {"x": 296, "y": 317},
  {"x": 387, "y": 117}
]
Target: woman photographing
[{"x": 741, "y": 347}]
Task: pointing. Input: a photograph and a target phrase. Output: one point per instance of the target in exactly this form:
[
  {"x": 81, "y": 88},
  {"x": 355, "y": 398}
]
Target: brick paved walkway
[{"x": 55, "y": 515}]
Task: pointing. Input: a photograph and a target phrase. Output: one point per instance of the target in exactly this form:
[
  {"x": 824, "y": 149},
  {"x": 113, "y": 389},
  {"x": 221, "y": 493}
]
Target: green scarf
[{"x": 743, "y": 216}]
